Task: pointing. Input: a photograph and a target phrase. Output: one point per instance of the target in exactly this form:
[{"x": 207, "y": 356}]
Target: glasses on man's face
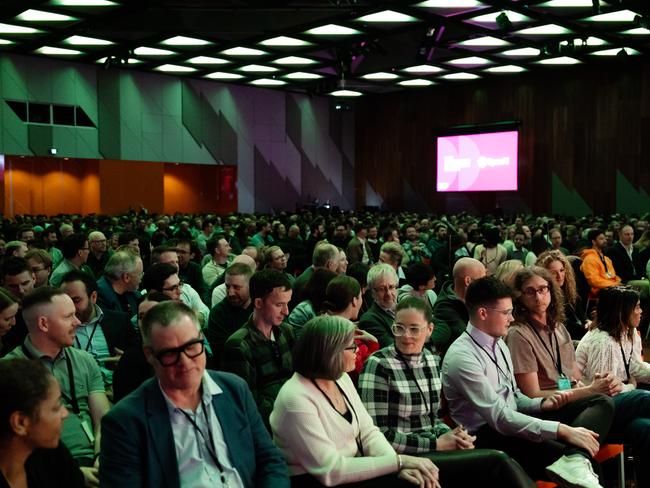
[
  {"x": 170, "y": 357},
  {"x": 400, "y": 330},
  {"x": 354, "y": 347},
  {"x": 175, "y": 287},
  {"x": 531, "y": 292},
  {"x": 281, "y": 257},
  {"x": 507, "y": 312},
  {"x": 385, "y": 289}
]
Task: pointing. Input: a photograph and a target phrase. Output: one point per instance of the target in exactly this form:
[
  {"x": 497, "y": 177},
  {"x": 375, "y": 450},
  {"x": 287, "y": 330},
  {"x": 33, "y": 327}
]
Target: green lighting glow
[{"x": 32, "y": 15}]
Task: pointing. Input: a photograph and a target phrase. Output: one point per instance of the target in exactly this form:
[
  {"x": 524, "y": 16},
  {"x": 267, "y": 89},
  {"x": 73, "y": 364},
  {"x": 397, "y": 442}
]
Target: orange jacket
[{"x": 594, "y": 270}]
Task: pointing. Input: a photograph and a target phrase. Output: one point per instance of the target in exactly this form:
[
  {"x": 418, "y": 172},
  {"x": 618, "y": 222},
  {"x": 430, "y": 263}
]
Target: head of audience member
[
  {"x": 237, "y": 280},
  {"x": 279, "y": 231},
  {"x": 98, "y": 243},
  {"x": 317, "y": 229},
  {"x": 31, "y": 412},
  {"x": 489, "y": 303},
  {"x": 314, "y": 291},
  {"x": 507, "y": 270},
  {"x": 173, "y": 345},
  {"x": 40, "y": 263},
  {"x": 383, "y": 281},
  {"x": 151, "y": 299},
  {"x": 391, "y": 253},
  {"x": 326, "y": 256},
  {"x": 359, "y": 271},
  {"x": 560, "y": 268},
  {"x": 255, "y": 253},
  {"x": 618, "y": 312},
  {"x": 341, "y": 232},
  {"x": 373, "y": 232},
  {"x": 343, "y": 263},
  {"x": 518, "y": 239},
  {"x": 124, "y": 271},
  {"x": 413, "y": 325},
  {"x": 390, "y": 234},
  {"x": 82, "y": 289},
  {"x": 50, "y": 318},
  {"x": 130, "y": 240},
  {"x": 597, "y": 239},
  {"x": 326, "y": 348},
  {"x": 219, "y": 248},
  {"x": 163, "y": 278},
  {"x": 293, "y": 232},
  {"x": 66, "y": 230},
  {"x": 8, "y": 310},
  {"x": 207, "y": 227},
  {"x": 440, "y": 231},
  {"x": 275, "y": 258},
  {"x": 421, "y": 277},
  {"x": 75, "y": 248},
  {"x": 165, "y": 255},
  {"x": 491, "y": 236},
  {"x": 270, "y": 292},
  {"x": 360, "y": 230},
  {"x": 184, "y": 250},
  {"x": 25, "y": 233},
  {"x": 16, "y": 249},
  {"x": 555, "y": 236},
  {"x": 609, "y": 237},
  {"x": 537, "y": 295},
  {"x": 343, "y": 297},
  {"x": 17, "y": 276},
  {"x": 466, "y": 271},
  {"x": 49, "y": 236},
  {"x": 626, "y": 236}
]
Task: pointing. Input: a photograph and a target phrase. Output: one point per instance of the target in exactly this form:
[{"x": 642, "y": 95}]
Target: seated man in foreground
[{"x": 186, "y": 426}]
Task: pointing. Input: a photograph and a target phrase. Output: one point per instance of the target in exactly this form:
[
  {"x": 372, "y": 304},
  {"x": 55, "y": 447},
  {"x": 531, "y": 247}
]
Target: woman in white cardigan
[{"x": 322, "y": 427}]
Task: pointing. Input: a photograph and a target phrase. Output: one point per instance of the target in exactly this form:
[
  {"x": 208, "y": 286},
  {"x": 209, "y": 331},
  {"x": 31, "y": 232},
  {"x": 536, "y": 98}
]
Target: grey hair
[
  {"x": 122, "y": 261},
  {"x": 379, "y": 271},
  {"x": 165, "y": 314}
]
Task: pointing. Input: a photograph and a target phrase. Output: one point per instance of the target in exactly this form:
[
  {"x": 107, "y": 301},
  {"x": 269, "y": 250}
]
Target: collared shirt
[
  {"x": 364, "y": 257},
  {"x": 78, "y": 430},
  {"x": 90, "y": 338},
  {"x": 196, "y": 467},
  {"x": 477, "y": 375}
]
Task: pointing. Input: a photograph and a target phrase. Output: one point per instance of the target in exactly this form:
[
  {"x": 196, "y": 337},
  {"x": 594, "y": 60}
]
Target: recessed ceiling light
[
  {"x": 638, "y": 31},
  {"x": 5, "y": 42},
  {"x": 387, "y": 16},
  {"x": 175, "y": 68},
  {"x": 243, "y": 51},
  {"x": 618, "y": 16},
  {"x": 346, "y": 93},
  {"x": 510, "y": 68},
  {"x": 523, "y": 52},
  {"x": 616, "y": 51},
  {"x": 559, "y": 60},
  {"x": 86, "y": 41},
  {"x": 222, "y": 75},
  {"x": 57, "y": 51},
  {"x": 301, "y": 75},
  {"x": 469, "y": 61},
  {"x": 543, "y": 30},
  {"x": 423, "y": 69},
  {"x": 567, "y": 4},
  {"x": 416, "y": 82},
  {"x": 17, "y": 29},
  {"x": 268, "y": 82},
  {"x": 380, "y": 76},
  {"x": 294, "y": 60},
  {"x": 32, "y": 15},
  {"x": 460, "y": 76},
  {"x": 152, "y": 51},
  {"x": 449, "y": 4},
  {"x": 285, "y": 41},
  {"x": 207, "y": 60},
  {"x": 332, "y": 30},
  {"x": 485, "y": 41},
  {"x": 257, "y": 68},
  {"x": 84, "y": 3},
  {"x": 491, "y": 18},
  {"x": 184, "y": 41}
]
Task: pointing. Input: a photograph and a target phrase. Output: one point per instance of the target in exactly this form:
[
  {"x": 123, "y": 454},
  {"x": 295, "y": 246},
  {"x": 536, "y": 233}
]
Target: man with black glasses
[{"x": 186, "y": 426}]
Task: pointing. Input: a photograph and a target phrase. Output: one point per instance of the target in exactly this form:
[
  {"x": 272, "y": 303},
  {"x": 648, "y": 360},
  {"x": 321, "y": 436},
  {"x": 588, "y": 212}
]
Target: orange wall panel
[{"x": 125, "y": 184}]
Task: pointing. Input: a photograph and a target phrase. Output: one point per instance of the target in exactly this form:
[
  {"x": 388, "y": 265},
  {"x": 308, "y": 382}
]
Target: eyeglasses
[
  {"x": 506, "y": 313},
  {"x": 98, "y": 241},
  {"x": 354, "y": 347},
  {"x": 531, "y": 292},
  {"x": 170, "y": 357},
  {"x": 385, "y": 289},
  {"x": 174, "y": 287},
  {"x": 283, "y": 256},
  {"x": 401, "y": 330}
]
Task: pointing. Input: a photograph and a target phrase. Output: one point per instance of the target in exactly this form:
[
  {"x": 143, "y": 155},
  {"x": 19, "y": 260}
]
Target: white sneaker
[{"x": 574, "y": 471}]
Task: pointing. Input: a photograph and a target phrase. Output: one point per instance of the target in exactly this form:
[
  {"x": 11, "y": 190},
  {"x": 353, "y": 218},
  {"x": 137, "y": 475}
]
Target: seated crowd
[{"x": 321, "y": 349}]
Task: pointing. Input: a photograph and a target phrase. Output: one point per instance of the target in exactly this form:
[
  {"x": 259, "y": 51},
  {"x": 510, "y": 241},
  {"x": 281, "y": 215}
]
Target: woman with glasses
[
  {"x": 276, "y": 258},
  {"x": 400, "y": 386},
  {"x": 613, "y": 345},
  {"x": 31, "y": 421},
  {"x": 323, "y": 429}
]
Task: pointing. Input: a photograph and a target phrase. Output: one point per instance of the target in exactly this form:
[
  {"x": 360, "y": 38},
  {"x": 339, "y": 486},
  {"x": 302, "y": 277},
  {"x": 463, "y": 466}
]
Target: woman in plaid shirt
[{"x": 400, "y": 387}]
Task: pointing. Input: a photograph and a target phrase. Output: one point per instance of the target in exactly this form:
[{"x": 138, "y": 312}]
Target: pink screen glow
[{"x": 478, "y": 162}]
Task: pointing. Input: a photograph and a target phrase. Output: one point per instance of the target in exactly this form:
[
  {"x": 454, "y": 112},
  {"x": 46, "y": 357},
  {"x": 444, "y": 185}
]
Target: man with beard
[
  {"x": 105, "y": 334},
  {"x": 598, "y": 268},
  {"x": 230, "y": 314}
]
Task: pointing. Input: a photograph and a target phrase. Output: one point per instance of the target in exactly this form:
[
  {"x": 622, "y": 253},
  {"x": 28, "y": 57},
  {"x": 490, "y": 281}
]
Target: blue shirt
[{"x": 90, "y": 338}]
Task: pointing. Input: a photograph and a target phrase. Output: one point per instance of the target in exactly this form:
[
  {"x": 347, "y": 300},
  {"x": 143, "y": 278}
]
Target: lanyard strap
[
  {"x": 411, "y": 374},
  {"x": 558, "y": 359},
  {"x": 602, "y": 260},
  {"x": 507, "y": 376},
  {"x": 72, "y": 399},
  {"x": 627, "y": 363},
  {"x": 90, "y": 339},
  {"x": 209, "y": 442}
]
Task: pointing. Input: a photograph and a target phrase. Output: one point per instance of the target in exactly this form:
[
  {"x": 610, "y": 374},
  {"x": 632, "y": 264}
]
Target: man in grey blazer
[{"x": 186, "y": 426}]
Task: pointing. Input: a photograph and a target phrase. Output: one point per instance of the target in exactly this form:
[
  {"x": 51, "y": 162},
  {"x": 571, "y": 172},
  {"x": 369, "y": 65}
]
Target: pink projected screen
[{"x": 478, "y": 162}]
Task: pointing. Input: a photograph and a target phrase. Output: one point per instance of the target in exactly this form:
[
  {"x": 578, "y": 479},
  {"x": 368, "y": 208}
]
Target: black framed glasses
[
  {"x": 354, "y": 348},
  {"x": 175, "y": 287},
  {"x": 170, "y": 357}
]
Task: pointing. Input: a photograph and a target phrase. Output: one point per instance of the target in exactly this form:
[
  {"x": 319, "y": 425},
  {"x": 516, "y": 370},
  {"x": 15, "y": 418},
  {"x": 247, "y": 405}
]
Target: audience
[
  {"x": 40, "y": 263},
  {"x": 598, "y": 268},
  {"x": 313, "y": 296},
  {"x": 117, "y": 289},
  {"x": 8, "y": 310},
  {"x": 382, "y": 281}
]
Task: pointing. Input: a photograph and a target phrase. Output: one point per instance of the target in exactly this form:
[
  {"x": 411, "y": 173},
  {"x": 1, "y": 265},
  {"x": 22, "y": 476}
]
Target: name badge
[{"x": 563, "y": 383}]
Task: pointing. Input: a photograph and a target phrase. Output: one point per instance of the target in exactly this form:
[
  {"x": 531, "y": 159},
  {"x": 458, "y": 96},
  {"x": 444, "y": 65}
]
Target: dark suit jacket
[
  {"x": 137, "y": 445},
  {"x": 355, "y": 251},
  {"x": 107, "y": 299},
  {"x": 118, "y": 331},
  {"x": 624, "y": 266},
  {"x": 378, "y": 323}
]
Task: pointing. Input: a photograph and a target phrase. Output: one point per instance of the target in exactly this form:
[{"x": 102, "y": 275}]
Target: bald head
[
  {"x": 626, "y": 235},
  {"x": 245, "y": 259},
  {"x": 465, "y": 271}
]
